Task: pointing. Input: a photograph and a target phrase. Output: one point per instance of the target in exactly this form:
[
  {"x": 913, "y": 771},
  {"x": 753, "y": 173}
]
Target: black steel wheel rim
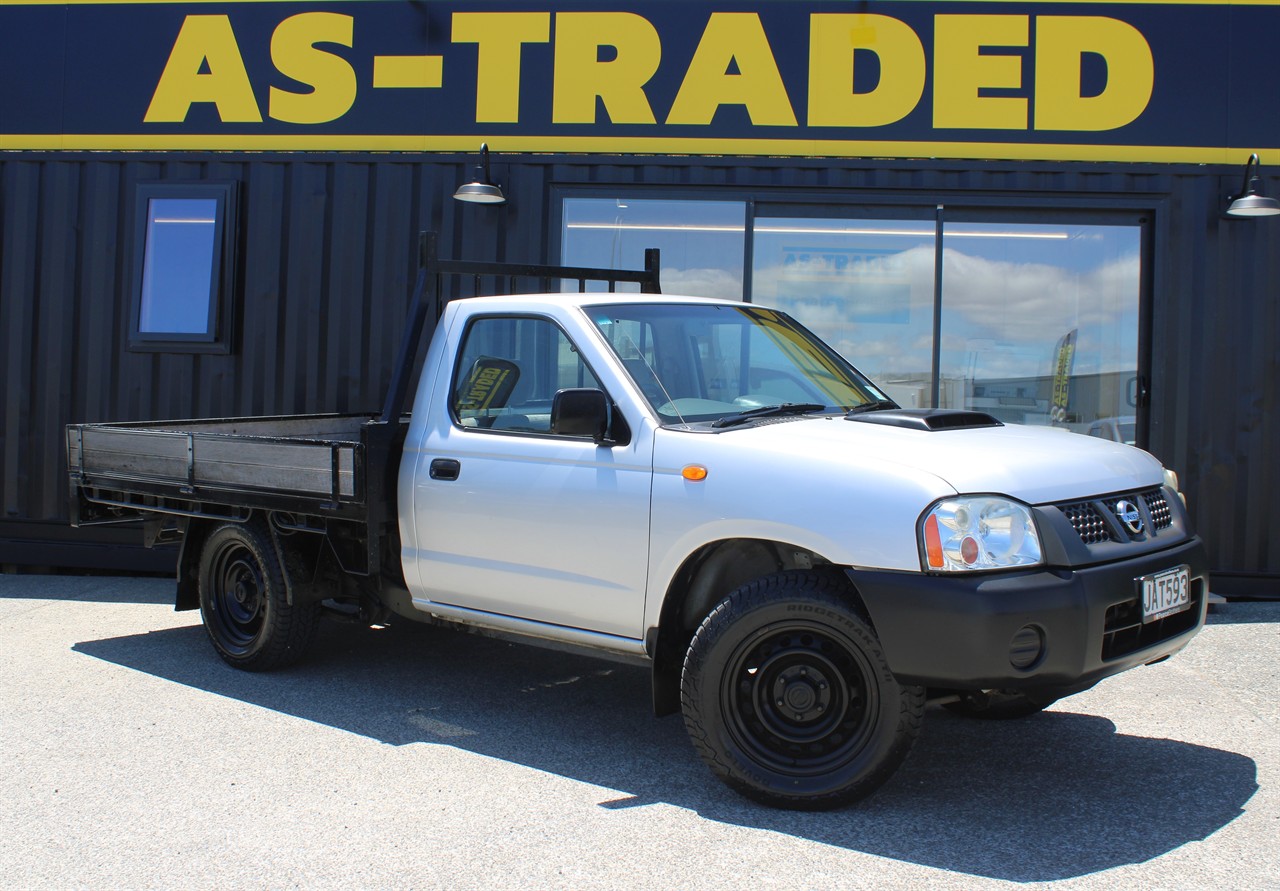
[
  {"x": 238, "y": 597},
  {"x": 797, "y": 699}
]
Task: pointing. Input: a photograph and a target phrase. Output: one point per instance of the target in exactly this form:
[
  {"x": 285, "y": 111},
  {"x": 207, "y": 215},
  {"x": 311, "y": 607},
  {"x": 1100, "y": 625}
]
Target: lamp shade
[
  {"x": 1248, "y": 203},
  {"x": 482, "y": 189},
  {"x": 480, "y": 193},
  {"x": 1251, "y": 204}
]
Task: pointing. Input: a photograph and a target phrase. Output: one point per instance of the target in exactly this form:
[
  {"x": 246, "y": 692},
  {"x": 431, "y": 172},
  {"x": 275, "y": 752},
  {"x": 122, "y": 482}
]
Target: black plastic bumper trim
[{"x": 955, "y": 632}]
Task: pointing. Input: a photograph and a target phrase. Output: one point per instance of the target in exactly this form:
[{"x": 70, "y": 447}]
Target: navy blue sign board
[{"x": 1140, "y": 81}]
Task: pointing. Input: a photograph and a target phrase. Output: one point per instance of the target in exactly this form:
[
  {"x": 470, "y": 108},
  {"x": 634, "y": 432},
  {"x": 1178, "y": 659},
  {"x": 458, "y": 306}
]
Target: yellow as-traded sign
[{"x": 1032, "y": 80}]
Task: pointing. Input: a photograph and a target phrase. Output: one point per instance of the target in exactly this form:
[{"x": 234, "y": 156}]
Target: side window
[
  {"x": 509, "y": 370},
  {"x": 182, "y": 268}
]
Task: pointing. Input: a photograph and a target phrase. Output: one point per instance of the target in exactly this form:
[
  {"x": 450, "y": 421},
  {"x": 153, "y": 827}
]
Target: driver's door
[{"x": 514, "y": 520}]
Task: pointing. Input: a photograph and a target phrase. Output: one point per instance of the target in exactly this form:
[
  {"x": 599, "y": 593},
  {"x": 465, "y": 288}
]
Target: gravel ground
[{"x": 131, "y": 757}]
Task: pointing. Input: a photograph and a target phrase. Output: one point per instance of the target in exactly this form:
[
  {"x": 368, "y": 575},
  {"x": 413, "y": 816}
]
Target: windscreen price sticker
[{"x": 1165, "y": 593}]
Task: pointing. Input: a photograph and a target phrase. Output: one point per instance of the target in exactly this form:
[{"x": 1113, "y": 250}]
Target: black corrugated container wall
[{"x": 325, "y": 248}]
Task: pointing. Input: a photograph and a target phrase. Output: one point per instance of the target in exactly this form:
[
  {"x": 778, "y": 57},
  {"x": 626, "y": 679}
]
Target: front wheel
[
  {"x": 243, "y": 602},
  {"x": 788, "y": 698}
]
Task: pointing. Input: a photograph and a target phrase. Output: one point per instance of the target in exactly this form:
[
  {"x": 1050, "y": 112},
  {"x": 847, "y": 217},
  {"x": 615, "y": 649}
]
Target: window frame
[{"x": 217, "y": 336}]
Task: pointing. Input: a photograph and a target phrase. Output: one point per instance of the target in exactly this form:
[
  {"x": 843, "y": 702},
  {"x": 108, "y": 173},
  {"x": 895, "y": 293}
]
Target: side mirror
[{"x": 580, "y": 412}]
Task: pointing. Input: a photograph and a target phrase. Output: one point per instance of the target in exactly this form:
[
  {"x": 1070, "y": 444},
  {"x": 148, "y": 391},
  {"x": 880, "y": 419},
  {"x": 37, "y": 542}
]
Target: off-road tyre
[
  {"x": 999, "y": 705},
  {"x": 243, "y": 602},
  {"x": 788, "y": 698}
]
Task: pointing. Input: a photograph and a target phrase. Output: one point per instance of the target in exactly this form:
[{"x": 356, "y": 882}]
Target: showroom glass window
[
  {"x": 1032, "y": 315},
  {"x": 181, "y": 268},
  {"x": 1040, "y": 323},
  {"x": 1036, "y": 323},
  {"x": 702, "y": 242},
  {"x": 863, "y": 285}
]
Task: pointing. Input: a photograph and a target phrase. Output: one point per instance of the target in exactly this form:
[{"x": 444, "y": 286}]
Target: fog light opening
[{"x": 1026, "y": 647}]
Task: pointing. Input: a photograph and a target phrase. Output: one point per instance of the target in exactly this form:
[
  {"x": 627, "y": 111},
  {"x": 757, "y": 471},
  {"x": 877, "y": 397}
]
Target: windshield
[{"x": 704, "y": 362}]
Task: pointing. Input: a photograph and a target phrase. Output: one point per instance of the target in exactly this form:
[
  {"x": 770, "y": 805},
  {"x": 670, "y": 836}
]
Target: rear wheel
[
  {"x": 788, "y": 698},
  {"x": 243, "y": 601}
]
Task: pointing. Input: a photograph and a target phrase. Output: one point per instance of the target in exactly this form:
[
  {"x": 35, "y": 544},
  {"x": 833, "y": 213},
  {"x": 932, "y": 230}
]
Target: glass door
[
  {"x": 864, "y": 283},
  {"x": 1031, "y": 316},
  {"x": 1039, "y": 323}
]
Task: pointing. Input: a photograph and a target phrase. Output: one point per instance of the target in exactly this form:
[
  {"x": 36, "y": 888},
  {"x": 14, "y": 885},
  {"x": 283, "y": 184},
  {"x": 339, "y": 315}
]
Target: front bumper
[{"x": 958, "y": 632}]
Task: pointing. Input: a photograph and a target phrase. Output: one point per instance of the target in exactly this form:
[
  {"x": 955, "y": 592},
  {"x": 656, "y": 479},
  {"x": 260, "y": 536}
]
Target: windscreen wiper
[
  {"x": 767, "y": 411},
  {"x": 874, "y": 405}
]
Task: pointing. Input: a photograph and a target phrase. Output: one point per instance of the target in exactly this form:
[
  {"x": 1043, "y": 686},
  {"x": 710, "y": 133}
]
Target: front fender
[{"x": 851, "y": 514}]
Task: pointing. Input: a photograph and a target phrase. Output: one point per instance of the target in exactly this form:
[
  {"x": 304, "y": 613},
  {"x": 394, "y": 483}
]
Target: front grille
[
  {"x": 1084, "y": 518},
  {"x": 1087, "y": 517},
  {"x": 1124, "y": 633},
  {"x": 1158, "y": 507}
]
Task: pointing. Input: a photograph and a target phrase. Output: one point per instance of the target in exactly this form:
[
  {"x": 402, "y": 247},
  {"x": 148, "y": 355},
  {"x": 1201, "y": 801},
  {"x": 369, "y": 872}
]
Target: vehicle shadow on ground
[
  {"x": 1245, "y": 613},
  {"x": 88, "y": 588},
  {"x": 1052, "y": 797}
]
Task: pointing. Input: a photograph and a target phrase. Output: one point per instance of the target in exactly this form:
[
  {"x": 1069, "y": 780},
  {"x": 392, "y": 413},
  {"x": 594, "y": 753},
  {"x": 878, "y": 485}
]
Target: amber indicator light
[{"x": 933, "y": 543}]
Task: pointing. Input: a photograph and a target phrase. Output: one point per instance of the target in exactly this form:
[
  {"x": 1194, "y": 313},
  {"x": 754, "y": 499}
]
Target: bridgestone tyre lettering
[
  {"x": 788, "y": 698},
  {"x": 243, "y": 602},
  {"x": 999, "y": 705}
]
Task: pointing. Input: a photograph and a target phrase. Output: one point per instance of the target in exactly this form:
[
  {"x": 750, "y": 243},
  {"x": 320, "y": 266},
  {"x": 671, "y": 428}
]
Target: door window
[{"x": 509, "y": 371}]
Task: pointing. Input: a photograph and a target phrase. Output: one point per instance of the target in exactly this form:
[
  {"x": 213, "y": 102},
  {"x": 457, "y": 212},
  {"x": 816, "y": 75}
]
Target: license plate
[{"x": 1165, "y": 593}]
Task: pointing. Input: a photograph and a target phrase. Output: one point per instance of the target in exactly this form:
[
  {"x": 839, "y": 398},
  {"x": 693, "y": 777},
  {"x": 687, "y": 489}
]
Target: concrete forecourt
[{"x": 132, "y": 757}]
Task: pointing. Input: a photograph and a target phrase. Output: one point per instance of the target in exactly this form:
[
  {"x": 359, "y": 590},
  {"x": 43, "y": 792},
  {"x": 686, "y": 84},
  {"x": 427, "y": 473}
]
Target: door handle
[{"x": 445, "y": 469}]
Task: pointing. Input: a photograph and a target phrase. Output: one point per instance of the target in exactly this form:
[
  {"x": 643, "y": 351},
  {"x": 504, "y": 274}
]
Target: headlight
[
  {"x": 1171, "y": 480},
  {"x": 975, "y": 532}
]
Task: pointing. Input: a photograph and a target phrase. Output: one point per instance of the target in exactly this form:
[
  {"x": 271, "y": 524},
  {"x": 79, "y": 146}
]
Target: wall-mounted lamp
[
  {"x": 1249, "y": 203},
  {"x": 482, "y": 189}
]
